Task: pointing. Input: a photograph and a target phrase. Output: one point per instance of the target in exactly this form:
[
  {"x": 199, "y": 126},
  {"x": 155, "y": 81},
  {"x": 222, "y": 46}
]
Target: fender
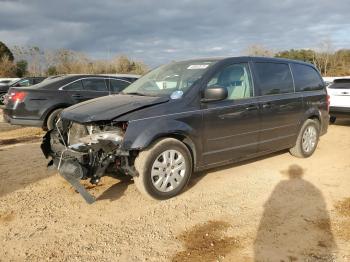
[
  {"x": 141, "y": 134},
  {"x": 312, "y": 112}
]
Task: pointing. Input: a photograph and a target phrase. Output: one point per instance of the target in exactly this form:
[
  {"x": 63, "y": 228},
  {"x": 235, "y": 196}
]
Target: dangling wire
[{"x": 64, "y": 142}]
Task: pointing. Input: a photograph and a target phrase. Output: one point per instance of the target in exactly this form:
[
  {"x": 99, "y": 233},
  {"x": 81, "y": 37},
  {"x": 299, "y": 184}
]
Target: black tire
[
  {"x": 2, "y": 97},
  {"x": 145, "y": 161},
  {"x": 52, "y": 119},
  {"x": 298, "y": 150},
  {"x": 332, "y": 119}
]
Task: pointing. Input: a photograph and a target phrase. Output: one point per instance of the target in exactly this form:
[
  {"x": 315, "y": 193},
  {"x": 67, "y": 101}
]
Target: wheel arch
[
  {"x": 312, "y": 113},
  {"x": 185, "y": 140},
  {"x": 50, "y": 110},
  {"x": 137, "y": 141}
]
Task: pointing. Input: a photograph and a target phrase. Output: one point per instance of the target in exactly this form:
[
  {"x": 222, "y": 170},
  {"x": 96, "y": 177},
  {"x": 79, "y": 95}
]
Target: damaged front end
[{"x": 87, "y": 152}]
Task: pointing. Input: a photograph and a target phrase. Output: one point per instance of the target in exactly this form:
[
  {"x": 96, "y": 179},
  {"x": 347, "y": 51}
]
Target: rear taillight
[
  {"x": 328, "y": 102},
  {"x": 17, "y": 96}
]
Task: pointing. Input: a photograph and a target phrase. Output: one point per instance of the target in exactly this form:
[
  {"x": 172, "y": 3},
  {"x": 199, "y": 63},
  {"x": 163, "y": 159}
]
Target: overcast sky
[{"x": 159, "y": 31}]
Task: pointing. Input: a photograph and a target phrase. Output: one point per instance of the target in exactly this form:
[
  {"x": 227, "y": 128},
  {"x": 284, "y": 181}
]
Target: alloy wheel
[
  {"x": 168, "y": 170},
  {"x": 309, "y": 139}
]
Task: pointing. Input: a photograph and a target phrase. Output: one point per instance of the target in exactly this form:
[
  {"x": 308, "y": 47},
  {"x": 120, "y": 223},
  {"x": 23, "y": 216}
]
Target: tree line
[
  {"x": 32, "y": 61},
  {"x": 330, "y": 62}
]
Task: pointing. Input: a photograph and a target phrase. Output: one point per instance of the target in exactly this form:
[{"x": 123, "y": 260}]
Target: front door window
[{"x": 236, "y": 79}]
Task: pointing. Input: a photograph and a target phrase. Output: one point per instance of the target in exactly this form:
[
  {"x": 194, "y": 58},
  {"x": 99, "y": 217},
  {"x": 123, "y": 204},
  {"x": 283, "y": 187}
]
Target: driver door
[{"x": 231, "y": 126}]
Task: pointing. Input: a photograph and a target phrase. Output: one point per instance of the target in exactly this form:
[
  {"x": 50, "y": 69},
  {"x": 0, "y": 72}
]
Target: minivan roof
[
  {"x": 248, "y": 58},
  {"x": 276, "y": 59}
]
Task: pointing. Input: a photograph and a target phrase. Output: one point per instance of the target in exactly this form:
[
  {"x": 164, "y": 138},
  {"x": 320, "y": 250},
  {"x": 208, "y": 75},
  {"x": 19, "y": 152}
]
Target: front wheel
[
  {"x": 307, "y": 139},
  {"x": 164, "y": 169}
]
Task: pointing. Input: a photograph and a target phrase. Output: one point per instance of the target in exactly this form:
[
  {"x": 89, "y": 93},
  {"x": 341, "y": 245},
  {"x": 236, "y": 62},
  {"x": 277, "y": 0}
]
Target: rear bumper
[
  {"x": 22, "y": 121},
  {"x": 324, "y": 123},
  {"x": 336, "y": 110}
]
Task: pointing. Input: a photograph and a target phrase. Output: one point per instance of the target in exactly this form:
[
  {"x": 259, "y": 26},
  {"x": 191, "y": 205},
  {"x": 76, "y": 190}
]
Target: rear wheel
[
  {"x": 52, "y": 119},
  {"x": 307, "y": 139},
  {"x": 164, "y": 169},
  {"x": 332, "y": 119}
]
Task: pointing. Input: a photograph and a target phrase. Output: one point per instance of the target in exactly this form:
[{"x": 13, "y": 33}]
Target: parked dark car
[
  {"x": 189, "y": 116},
  {"x": 26, "y": 81},
  {"x": 41, "y": 104}
]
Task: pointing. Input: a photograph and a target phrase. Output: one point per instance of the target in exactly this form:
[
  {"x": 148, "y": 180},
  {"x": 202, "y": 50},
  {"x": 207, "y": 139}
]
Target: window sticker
[
  {"x": 176, "y": 94},
  {"x": 197, "y": 66}
]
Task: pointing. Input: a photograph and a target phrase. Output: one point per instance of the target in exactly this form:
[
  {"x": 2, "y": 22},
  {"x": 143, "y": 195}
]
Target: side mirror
[{"x": 214, "y": 93}]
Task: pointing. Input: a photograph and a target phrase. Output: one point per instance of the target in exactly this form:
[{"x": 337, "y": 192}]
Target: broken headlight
[
  {"x": 82, "y": 138},
  {"x": 113, "y": 136}
]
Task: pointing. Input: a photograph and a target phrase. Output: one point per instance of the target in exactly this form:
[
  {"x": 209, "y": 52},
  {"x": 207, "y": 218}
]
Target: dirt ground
[{"x": 275, "y": 208}]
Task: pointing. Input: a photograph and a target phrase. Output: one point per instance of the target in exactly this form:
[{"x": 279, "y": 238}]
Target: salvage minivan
[{"x": 189, "y": 116}]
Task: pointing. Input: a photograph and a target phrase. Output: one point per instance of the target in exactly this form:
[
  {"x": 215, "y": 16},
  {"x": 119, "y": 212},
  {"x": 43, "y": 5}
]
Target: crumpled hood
[{"x": 108, "y": 107}]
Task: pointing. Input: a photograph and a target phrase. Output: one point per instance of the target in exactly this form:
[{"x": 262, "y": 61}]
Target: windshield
[{"x": 173, "y": 79}]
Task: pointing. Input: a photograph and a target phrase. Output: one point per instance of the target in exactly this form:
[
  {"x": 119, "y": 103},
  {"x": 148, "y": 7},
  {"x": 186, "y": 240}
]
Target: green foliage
[
  {"x": 51, "y": 71},
  {"x": 21, "y": 68},
  {"x": 5, "y": 52},
  {"x": 329, "y": 63},
  {"x": 305, "y": 55}
]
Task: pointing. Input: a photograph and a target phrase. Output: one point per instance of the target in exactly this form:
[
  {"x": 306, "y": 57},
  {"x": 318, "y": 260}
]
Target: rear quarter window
[
  {"x": 306, "y": 78},
  {"x": 274, "y": 78},
  {"x": 94, "y": 84},
  {"x": 116, "y": 85}
]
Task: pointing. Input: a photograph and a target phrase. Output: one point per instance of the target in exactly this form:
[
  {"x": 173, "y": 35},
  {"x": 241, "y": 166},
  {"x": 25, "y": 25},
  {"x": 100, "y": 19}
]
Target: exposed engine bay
[{"x": 88, "y": 152}]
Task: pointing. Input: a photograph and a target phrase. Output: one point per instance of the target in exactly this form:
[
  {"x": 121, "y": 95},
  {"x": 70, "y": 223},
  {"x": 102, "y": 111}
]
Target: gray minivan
[{"x": 188, "y": 116}]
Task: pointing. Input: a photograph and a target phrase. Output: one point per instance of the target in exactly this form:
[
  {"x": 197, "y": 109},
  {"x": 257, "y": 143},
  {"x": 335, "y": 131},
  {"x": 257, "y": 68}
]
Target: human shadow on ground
[{"x": 295, "y": 225}]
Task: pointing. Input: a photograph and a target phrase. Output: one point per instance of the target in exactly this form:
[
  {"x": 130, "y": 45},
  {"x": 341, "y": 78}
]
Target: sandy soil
[
  {"x": 275, "y": 208},
  {"x": 11, "y": 134}
]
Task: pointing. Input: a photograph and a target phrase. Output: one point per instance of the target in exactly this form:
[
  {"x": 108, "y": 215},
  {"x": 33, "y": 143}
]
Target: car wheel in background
[
  {"x": 307, "y": 139},
  {"x": 332, "y": 119},
  {"x": 2, "y": 98},
  {"x": 52, "y": 119},
  {"x": 164, "y": 169}
]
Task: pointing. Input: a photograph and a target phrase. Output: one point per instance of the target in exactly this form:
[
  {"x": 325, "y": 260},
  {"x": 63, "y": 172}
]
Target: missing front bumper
[
  {"x": 88, "y": 161},
  {"x": 70, "y": 169}
]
